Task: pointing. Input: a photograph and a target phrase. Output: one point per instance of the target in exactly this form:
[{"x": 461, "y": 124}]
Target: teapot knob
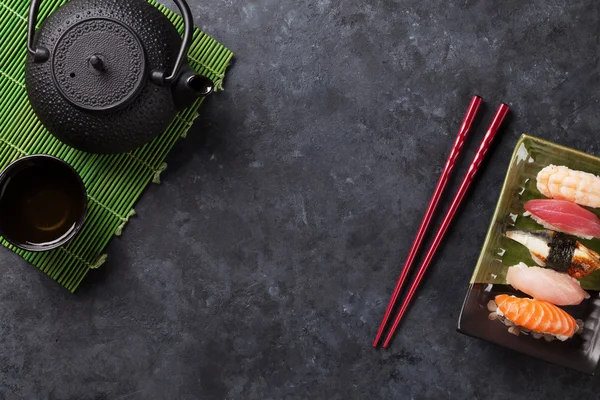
[{"x": 97, "y": 63}]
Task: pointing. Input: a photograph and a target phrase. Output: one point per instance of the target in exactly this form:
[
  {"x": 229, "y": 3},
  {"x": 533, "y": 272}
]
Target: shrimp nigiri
[
  {"x": 537, "y": 317},
  {"x": 562, "y": 183}
]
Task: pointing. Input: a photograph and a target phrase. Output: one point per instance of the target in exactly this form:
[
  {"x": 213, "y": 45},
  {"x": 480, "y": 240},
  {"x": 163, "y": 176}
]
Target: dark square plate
[{"x": 581, "y": 352}]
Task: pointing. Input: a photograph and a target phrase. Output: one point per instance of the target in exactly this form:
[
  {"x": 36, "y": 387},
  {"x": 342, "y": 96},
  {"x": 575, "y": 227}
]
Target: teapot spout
[{"x": 189, "y": 87}]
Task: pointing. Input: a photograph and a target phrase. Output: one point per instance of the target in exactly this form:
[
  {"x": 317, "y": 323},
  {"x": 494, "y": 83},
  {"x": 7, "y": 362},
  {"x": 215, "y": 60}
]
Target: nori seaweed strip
[{"x": 562, "y": 249}]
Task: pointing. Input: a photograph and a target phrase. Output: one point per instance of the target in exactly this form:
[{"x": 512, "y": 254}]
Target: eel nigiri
[
  {"x": 546, "y": 285},
  {"x": 562, "y": 183},
  {"x": 564, "y": 216},
  {"x": 539, "y": 318},
  {"x": 558, "y": 251}
]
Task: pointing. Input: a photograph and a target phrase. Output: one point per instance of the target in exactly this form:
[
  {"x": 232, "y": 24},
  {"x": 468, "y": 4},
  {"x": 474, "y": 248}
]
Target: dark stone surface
[{"x": 261, "y": 266}]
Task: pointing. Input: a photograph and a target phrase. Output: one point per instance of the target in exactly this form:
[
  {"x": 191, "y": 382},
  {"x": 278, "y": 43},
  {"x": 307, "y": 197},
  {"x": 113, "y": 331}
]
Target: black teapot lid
[{"x": 99, "y": 64}]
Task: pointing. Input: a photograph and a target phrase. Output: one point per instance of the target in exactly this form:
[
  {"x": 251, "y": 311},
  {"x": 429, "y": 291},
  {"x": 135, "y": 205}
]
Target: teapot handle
[
  {"x": 163, "y": 78},
  {"x": 41, "y": 53}
]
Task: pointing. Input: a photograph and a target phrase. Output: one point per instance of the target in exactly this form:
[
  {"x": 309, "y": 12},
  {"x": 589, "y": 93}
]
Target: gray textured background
[{"x": 261, "y": 266}]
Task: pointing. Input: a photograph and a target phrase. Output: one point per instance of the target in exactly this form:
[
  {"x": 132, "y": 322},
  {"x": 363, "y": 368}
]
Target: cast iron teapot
[{"x": 107, "y": 76}]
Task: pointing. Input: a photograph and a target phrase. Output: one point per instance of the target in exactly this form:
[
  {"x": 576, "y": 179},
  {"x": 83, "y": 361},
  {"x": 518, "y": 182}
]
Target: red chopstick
[
  {"x": 462, "y": 190},
  {"x": 459, "y": 142}
]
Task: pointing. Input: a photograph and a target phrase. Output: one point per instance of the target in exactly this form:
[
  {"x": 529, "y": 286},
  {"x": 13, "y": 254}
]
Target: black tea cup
[{"x": 43, "y": 203}]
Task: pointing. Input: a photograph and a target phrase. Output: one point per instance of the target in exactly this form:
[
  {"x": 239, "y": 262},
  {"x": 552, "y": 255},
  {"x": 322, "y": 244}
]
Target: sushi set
[{"x": 535, "y": 286}]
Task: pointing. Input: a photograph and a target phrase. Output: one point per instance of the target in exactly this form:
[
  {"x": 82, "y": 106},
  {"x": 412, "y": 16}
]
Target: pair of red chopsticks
[{"x": 464, "y": 186}]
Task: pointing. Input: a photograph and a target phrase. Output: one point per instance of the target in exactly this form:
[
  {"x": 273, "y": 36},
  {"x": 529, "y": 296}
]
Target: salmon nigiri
[
  {"x": 537, "y": 317},
  {"x": 546, "y": 284},
  {"x": 564, "y": 216}
]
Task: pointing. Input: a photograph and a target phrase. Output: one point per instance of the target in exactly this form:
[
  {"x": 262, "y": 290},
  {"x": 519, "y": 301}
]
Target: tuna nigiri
[
  {"x": 546, "y": 285},
  {"x": 562, "y": 183},
  {"x": 558, "y": 251},
  {"x": 564, "y": 216},
  {"x": 539, "y": 318}
]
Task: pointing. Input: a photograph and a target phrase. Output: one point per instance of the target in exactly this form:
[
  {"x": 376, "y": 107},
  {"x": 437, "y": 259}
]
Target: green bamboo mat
[{"x": 114, "y": 182}]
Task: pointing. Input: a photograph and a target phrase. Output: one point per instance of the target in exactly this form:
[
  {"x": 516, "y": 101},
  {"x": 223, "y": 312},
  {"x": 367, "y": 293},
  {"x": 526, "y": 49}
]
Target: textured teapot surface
[{"x": 94, "y": 91}]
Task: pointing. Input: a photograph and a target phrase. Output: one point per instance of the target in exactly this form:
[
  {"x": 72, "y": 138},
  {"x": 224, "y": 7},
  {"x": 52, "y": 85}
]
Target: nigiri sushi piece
[
  {"x": 564, "y": 216},
  {"x": 546, "y": 285},
  {"x": 558, "y": 251},
  {"x": 562, "y": 183},
  {"x": 537, "y": 317}
]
